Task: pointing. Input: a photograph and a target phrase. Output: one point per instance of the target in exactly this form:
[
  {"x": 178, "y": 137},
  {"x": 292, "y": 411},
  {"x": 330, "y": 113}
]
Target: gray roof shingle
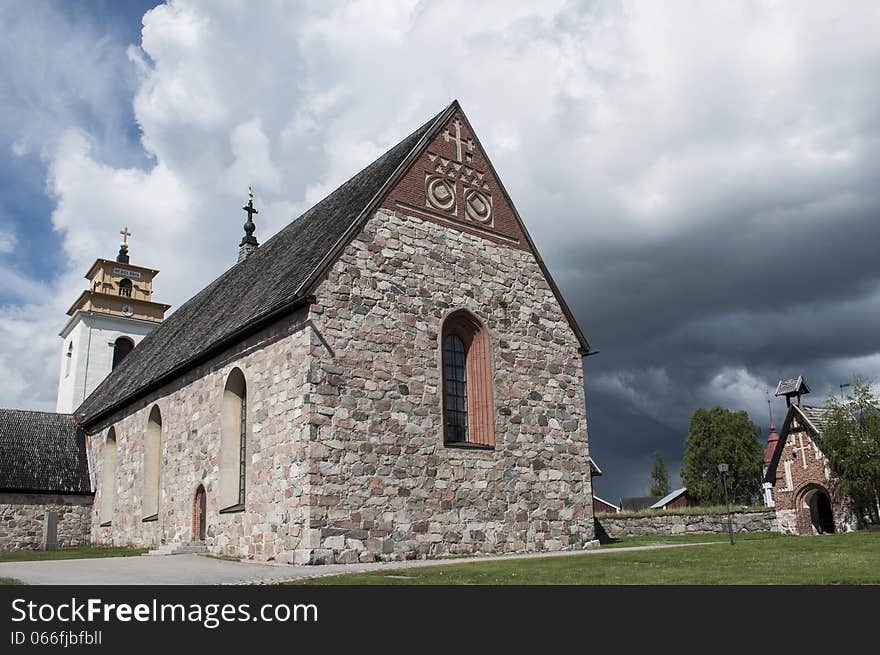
[
  {"x": 792, "y": 386},
  {"x": 42, "y": 452},
  {"x": 818, "y": 416},
  {"x": 275, "y": 276}
]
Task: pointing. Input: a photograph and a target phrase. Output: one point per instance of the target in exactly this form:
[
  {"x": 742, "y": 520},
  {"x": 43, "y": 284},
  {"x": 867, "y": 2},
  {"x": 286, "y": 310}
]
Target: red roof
[{"x": 770, "y": 448}]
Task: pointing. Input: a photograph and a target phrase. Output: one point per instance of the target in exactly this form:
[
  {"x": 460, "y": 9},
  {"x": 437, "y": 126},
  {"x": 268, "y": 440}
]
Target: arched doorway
[
  {"x": 817, "y": 503},
  {"x": 199, "y": 524}
]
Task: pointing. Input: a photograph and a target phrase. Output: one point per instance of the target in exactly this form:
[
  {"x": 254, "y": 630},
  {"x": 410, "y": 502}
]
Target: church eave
[
  {"x": 101, "y": 260},
  {"x": 88, "y": 422},
  {"x": 88, "y": 312},
  {"x": 88, "y": 293},
  {"x": 78, "y": 302}
]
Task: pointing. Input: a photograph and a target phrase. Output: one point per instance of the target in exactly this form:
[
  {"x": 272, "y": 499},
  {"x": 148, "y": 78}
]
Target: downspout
[
  {"x": 92, "y": 483},
  {"x": 88, "y": 357}
]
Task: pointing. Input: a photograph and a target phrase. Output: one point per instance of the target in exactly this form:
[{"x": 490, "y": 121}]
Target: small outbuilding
[
  {"x": 675, "y": 500},
  {"x": 44, "y": 481},
  {"x": 601, "y": 506}
]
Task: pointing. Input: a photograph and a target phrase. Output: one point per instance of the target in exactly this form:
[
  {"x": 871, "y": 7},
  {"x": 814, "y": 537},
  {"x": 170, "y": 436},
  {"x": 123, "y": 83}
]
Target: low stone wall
[
  {"x": 21, "y": 519},
  {"x": 665, "y": 524}
]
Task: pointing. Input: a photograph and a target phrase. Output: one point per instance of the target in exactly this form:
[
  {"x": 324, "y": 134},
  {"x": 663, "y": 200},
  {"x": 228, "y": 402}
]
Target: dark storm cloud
[
  {"x": 726, "y": 229},
  {"x": 773, "y": 282}
]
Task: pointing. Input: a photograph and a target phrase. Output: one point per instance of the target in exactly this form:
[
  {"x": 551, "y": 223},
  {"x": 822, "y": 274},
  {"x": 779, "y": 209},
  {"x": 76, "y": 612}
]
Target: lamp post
[{"x": 722, "y": 469}]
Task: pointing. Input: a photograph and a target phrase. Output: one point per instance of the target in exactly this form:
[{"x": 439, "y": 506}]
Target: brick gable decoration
[{"x": 453, "y": 183}]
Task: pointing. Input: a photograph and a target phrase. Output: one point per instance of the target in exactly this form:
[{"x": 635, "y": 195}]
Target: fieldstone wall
[
  {"x": 21, "y": 519},
  {"x": 275, "y": 364},
  {"x": 667, "y": 524},
  {"x": 384, "y": 486},
  {"x": 345, "y": 453}
]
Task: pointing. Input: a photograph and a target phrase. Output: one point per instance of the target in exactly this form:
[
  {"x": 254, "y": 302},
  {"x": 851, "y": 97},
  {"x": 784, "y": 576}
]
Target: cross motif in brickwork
[
  {"x": 459, "y": 142},
  {"x": 802, "y": 448}
]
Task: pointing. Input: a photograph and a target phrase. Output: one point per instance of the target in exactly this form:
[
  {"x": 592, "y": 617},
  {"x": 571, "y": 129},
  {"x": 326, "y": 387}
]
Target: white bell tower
[{"x": 106, "y": 322}]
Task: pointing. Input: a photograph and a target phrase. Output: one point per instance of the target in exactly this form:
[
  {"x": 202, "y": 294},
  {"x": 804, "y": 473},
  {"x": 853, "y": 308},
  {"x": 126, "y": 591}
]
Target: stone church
[
  {"x": 798, "y": 482},
  {"x": 392, "y": 375}
]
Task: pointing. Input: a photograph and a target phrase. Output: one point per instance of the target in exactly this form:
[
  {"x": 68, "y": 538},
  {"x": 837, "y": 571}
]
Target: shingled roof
[
  {"x": 276, "y": 279},
  {"x": 42, "y": 452},
  {"x": 270, "y": 280},
  {"x": 792, "y": 386},
  {"x": 817, "y": 416}
]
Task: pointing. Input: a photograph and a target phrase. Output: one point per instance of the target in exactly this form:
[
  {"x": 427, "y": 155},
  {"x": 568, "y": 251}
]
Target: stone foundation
[{"x": 21, "y": 520}]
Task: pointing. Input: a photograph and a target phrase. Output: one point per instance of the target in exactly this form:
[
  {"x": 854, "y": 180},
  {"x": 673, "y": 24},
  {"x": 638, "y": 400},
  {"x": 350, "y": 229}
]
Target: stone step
[{"x": 181, "y": 548}]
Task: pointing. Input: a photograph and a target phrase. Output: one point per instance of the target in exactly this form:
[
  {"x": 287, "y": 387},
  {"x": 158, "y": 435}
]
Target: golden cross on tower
[
  {"x": 125, "y": 234},
  {"x": 459, "y": 142}
]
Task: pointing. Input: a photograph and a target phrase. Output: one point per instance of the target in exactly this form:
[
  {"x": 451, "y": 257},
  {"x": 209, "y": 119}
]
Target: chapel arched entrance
[{"x": 816, "y": 511}]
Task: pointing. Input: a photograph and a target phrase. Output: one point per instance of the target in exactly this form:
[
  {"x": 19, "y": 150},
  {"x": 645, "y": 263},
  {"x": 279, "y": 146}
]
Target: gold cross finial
[{"x": 125, "y": 234}]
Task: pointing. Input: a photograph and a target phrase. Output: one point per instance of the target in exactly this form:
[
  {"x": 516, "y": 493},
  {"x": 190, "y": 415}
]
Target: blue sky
[
  {"x": 25, "y": 202},
  {"x": 701, "y": 179}
]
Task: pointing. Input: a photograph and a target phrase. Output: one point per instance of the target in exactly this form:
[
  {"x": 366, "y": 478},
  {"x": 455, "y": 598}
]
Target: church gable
[{"x": 452, "y": 182}]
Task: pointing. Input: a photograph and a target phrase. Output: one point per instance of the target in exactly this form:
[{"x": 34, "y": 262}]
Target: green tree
[
  {"x": 719, "y": 435},
  {"x": 850, "y": 441},
  {"x": 659, "y": 476}
]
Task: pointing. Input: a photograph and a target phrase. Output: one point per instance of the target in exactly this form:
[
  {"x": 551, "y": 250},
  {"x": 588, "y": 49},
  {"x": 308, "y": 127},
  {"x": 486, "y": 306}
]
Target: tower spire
[
  {"x": 249, "y": 241},
  {"x": 122, "y": 257},
  {"x": 772, "y": 438}
]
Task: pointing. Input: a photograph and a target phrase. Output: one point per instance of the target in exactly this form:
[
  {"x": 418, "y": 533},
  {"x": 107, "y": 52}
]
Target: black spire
[
  {"x": 249, "y": 241},
  {"x": 122, "y": 257}
]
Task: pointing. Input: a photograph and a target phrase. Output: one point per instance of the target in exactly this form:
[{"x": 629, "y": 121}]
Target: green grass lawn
[
  {"x": 760, "y": 558},
  {"x": 70, "y": 553},
  {"x": 686, "y": 539}
]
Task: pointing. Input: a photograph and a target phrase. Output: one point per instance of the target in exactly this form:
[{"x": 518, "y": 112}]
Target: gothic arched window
[
  {"x": 121, "y": 347},
  {"x": 152, "y": 465},
  {"x": 233, "y": 442},
  {"x": 468, "y": 409},
  {"x": 108, "y": 479}
]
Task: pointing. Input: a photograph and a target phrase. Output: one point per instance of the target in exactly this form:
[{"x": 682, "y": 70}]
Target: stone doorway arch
[
  {"x": 199, "y": 521},
  {"x": 817, "y": 511}
]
